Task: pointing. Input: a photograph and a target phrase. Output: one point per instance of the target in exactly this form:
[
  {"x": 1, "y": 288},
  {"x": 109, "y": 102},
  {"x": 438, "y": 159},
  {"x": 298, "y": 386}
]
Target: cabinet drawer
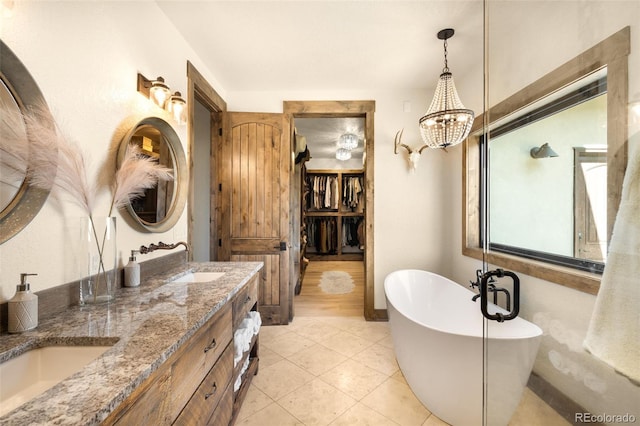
[
  {"x": 244, "y": 301},
  {"x": 149, "y": 406},
  {"x": 210, "y": 392},
  {"x": 223, "y": 413},
  {"x": 200, "y": 355}
]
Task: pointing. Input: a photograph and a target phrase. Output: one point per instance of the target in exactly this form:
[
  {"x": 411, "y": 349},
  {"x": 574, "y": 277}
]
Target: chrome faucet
[{"x": 163, "y": 246}]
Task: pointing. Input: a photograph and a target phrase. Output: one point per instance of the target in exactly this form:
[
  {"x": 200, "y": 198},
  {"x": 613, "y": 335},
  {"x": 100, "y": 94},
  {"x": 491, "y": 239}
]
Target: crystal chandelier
[
  {"x": 447, "y": 122},
  {"x": 343, "y": 154},
  {"x": 348, "y": 141}
]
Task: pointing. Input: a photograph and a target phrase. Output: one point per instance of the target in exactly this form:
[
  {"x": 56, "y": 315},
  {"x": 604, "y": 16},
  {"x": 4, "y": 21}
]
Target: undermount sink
[
  {"x": 198, "y": 277},
  {"x": 28, "y": 375}
]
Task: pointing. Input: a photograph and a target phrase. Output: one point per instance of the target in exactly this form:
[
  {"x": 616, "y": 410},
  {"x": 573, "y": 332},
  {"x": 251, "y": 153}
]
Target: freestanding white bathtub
[{"x": 437, "y": 335}]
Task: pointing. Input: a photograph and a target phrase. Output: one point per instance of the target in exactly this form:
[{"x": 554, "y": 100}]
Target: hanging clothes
[
  {"x": 324, "y": 192},
  {"x": 322, "y": 234},
  {"x": 350, "y": 236},
  {"x": 352, "y": 191}
]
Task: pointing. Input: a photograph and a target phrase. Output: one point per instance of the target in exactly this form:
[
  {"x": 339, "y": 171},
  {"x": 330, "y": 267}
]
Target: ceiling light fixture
[
  {"x": 348, "y": 141},
  {"x": 447, "y": 122},
  {"x": 343, "y": 154}
]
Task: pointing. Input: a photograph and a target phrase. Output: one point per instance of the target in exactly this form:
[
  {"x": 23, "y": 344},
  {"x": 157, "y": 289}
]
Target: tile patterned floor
[{"x": 342, "y": 371}]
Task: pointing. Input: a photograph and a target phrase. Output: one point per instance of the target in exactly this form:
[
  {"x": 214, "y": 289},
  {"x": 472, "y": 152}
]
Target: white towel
[
  {"x": 614, "y": 329},
  {"x": 257, "y": 321},
  {"x": 249, "y": 327},
  {"x": 241, "y": 343},
  {"x": 238, "y": 382}
]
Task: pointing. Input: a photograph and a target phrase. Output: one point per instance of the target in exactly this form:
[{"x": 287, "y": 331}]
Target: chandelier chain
[{"x": 446, "y": 65}]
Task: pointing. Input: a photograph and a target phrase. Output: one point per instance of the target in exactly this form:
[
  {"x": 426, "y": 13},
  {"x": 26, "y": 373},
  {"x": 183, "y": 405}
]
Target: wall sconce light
[
  {"x": 543, "y": 151},
  {"x": 177, "y": 107},
  {"x": 160, "y": 94}
]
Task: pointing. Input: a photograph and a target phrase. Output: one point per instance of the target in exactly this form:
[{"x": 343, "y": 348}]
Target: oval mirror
[
  {"x": 19, "y": 93},
  {"x": 161, "y": 206}
]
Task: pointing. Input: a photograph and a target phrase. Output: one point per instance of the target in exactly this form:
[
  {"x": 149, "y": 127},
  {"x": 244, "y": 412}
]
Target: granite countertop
[{"x": 146, "y": 325}]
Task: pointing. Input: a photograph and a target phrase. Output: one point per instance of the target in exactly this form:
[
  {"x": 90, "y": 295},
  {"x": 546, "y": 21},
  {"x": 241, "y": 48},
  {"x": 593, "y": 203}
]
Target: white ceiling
[
  {"x": 329, "y": 45},
  {"x": 322, "y": 134},
  {"x": 315, "y": 45}
]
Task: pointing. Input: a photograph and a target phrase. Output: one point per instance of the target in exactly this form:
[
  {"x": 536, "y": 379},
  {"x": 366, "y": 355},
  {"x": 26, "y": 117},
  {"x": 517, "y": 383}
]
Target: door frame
[
  {"x": 198, "y": 88},
  {"x": 366, "y": 109}
]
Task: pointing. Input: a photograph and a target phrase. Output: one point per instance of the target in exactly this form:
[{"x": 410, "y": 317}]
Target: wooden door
[
  {"x": 255, "y": 162},
  {"x": 590, "y": 205}
]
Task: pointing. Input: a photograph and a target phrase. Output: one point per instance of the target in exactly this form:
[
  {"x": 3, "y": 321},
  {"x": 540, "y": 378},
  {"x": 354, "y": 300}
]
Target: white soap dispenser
[
  {"x": 23, "y": 308},
  {"x": 132, "y": 271}
]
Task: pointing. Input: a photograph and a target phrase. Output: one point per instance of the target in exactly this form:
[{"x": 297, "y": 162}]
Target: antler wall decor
[{"x": 414, "y": 154}]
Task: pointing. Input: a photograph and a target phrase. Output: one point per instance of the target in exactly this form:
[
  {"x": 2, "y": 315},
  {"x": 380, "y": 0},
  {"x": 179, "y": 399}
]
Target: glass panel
[{"x": 560, "y": 209}]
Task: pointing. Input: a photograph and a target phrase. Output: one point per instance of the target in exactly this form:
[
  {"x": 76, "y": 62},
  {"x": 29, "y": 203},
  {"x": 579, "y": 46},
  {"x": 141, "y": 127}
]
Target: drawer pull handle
[
  {"x": 211, "y": 346},
  {"x": 215, "y": 388}
]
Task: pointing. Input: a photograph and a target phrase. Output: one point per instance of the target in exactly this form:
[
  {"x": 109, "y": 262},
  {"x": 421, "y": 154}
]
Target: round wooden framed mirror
[
  {"x": 19, "y": 93},
  {"x": 161, "y": 207}
]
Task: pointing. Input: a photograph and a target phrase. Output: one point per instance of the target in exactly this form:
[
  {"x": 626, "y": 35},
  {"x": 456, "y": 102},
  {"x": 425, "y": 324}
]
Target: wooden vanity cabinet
[
  {"x": 148, "y": 404},
  {"x": 245, "y": 301},
  {"x": 195, "y": 385},
  {"x": 198, "y": 360},
  {"x": 201, "y": 407}
]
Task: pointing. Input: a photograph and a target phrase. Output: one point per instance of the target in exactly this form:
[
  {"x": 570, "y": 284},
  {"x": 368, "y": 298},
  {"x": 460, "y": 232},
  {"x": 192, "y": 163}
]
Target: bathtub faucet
[
  {"x": 495, "y": 290},
  {"x": 491, "y": 288},
  {"x": 476, "y": 283}
]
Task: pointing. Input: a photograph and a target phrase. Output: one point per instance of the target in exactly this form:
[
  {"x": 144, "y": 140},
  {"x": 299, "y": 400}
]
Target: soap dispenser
[
  {"x": 23, "y": 308},
  {"x": 132, "y": 271}
]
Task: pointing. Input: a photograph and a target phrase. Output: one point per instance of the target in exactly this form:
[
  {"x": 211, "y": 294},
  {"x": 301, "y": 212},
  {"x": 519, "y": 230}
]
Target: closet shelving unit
[{"x": 340, "y": 215}]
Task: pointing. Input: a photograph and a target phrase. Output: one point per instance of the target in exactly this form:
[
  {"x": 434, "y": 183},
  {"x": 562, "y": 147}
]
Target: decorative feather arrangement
[
  {"x": 56, "y": 160},
  {"x": 49, "y": 158},
  {"x": 14, "y": 147},
  {"x": 44, "y": 158},
  {"x": 137, "y": 173}
]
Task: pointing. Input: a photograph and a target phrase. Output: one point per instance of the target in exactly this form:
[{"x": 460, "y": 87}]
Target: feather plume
[
  {"x": 54, "y": 160},
  {"x": 14, "y": 149},
  {"x": 137, "y": 173},
  {"x": 30, "y": 145}
]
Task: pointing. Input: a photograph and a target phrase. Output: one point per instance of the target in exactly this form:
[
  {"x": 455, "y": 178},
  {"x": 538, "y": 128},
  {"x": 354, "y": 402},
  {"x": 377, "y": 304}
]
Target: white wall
[
  {"x": 529, "y": 39},
  {"x": 84, "y": 57}
]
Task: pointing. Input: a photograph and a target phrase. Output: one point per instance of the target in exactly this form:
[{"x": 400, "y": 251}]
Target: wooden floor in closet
[{"x": 312, "y": 301}]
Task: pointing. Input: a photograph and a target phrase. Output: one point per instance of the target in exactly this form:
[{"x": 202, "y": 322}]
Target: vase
[{"x": 99, "y": 264}]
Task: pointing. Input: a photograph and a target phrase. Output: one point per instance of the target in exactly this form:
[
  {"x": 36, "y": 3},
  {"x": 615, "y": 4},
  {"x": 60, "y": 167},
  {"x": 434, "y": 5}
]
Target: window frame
[{"x": 611, "y": 53}]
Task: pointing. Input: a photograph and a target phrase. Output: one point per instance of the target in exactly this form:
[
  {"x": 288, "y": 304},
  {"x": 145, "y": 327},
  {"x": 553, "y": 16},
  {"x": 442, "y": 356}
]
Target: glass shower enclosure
[{"x": 559, "y": 176}]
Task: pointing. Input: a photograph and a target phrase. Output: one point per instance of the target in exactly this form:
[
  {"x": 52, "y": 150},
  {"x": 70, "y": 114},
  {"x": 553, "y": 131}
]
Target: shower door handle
[{"x": 484, "y": 292}]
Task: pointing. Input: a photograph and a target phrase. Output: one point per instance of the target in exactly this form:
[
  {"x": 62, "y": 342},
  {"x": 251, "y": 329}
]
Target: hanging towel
[{"x": 614, "y": 329}]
